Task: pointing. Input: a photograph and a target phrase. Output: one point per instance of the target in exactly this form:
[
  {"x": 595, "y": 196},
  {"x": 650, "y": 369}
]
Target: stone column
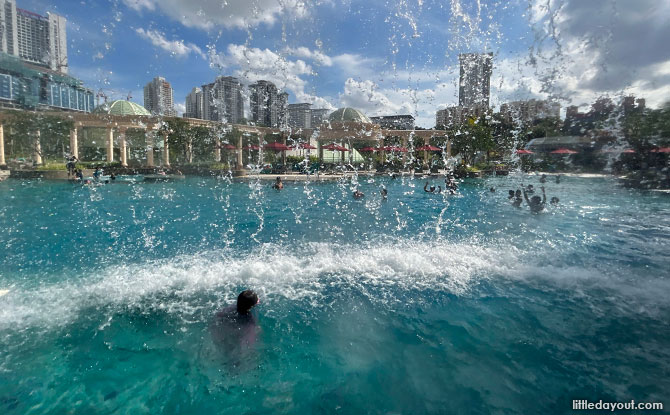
[
  {"x": 426, "y": 142},
  {"x": 122, "y": 147},
  {"x": 283, "y": 153},
  {"x": 166, "y": 150},
  {"x": 74, "y": 144},
  {"x": 239, "y": 153},
  {"x": 405, "y": 140},
  {"x": 110, "y": 144},
  {"x": 38, "y": 147},
  {"x": 217, "y": 150},
  {"x": 448, "y": 147},
  {"x": 2, "y": 145},
  {"x": 149, "y": 138},
  {"x": 382, "y": 152},
  {"x": 318, "y": 144}
]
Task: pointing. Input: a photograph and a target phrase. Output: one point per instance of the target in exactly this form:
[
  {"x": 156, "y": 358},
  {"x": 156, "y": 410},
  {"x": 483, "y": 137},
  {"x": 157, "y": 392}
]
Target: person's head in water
[
  {"x": 493, "y": 189},
  {"x": 246, "y": 301},
  {"x": 518, "y": 193},
  {"x": 535, "y": 200},
  {"x": 554, "y": 200},
  {"x": 511, "y": 194}
]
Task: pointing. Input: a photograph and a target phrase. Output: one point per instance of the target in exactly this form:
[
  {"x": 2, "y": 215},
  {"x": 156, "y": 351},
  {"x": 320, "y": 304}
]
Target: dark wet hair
[
  {"x": 511, "y": 192},
  {"x": 554, "y": 199},
  {"x": 536, "y": 200},
  {"x": 246, "y": 300}
]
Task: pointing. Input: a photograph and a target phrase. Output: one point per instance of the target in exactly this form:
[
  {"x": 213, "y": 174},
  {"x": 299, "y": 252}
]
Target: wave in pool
[{"x": 303, "y": 272}]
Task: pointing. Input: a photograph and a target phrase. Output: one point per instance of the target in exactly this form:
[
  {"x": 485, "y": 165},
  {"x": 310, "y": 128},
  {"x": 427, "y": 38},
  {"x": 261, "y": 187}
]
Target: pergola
[{"x": 116, "y": 127}]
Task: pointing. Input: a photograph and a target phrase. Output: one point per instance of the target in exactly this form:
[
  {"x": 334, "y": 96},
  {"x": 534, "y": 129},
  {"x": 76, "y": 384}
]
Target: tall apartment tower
[
  {"x": 33, "y": 38},
  {"x": 263, "y": 100},
  {"x": 194, "y": 104},
  {"x": 158, "y": 97},
  {"x": 300, "y": 115},
  {"x": 268, "y": 105},
  {"x": 222, "y": 100},
  {"x": 282, "y": 109},
  {"x": 474, "y": 88}
]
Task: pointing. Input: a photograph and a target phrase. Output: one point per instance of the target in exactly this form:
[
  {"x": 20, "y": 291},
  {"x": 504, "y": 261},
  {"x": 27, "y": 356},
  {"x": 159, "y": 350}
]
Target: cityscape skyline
[{"x": 319, "y": 55}]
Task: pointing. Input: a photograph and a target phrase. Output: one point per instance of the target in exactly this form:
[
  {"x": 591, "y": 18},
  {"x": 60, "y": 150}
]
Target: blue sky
[{"x": 384, "y": 57}]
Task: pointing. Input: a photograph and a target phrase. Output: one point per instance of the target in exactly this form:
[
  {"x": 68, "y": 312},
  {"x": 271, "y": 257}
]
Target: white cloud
[
  {"x": 316, "y": 56},
  {"x": 209, "y": 14},
  {"x": 175, "y": 47},
  {"x": 254, "y": 64},
  {"x": 180, "y": 108}
]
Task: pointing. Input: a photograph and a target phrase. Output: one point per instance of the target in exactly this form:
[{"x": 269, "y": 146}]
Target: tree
[
  {"x": 472, "y": 136},
  {"x": 22, "y": 129}
]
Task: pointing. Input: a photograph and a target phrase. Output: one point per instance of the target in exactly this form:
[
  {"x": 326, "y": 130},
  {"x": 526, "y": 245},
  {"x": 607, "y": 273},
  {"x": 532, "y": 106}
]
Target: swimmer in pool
[
  {"x": 518, "y": 199},
  {"x": 358, "y": 194},
  {"x": 278, "y": 184},
  {"x": 234, "y": 327},
  {"x": 431, "y": 190},
  {"x": 510, "y": 195},
  {"x": 384, "y": 193},
  {"x": 554, "y": 201},
  {"x": 536, "y": 204}
]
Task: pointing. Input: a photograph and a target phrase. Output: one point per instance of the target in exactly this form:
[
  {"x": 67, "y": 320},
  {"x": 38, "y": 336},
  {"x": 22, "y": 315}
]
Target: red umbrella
[
  {"x": 306, "y": 146},
  {"x": 428, "y": 148},
  {"x": 341, "y": 148},
  {"x": 564, "y": 151},
  {"x": 276, "y": 146},
  {"x": 398, "y": 149},
  {"x": 661, "y": 150},
  {"x": 228, "y": 147},
  {"x": 252, "y": 147},
  {"x": 522, "y": 151},
  {"x": 368, "y": 149}
]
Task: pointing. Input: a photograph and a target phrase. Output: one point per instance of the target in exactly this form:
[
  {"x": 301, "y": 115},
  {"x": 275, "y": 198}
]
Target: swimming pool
[{"x": 422, "y": 303}]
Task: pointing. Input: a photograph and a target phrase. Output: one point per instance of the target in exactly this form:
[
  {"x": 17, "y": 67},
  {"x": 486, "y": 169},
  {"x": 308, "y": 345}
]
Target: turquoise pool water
[{"x": 419, "y": 304}]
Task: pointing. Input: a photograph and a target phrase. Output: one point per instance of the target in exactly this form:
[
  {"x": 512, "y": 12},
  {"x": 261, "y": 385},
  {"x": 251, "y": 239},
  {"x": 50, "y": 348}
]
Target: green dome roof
[
  {"x": 349, "y": 115},
  {"x": 121, "y": 107}
]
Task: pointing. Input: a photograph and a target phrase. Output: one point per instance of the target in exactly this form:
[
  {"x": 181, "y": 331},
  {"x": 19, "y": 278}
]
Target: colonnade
[{"x": 119, "y": 131}]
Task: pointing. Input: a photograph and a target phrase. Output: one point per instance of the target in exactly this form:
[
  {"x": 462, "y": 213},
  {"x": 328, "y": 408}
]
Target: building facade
[
  {"x": 394, "y": 122},
  {"x": 528, "y": 111},
  {"x": 222, "y": 100},
  {"x": 33, "y": 38},
  {"x": 194, "y": 104},
  {"x": 268, "y": 105},
  {"x": 318, "y": 115},
  {"x": 455, "y": 116},
  {"x": 474, "y": 87},
  {"x": 300, "y": 115},
  {"x": 27, "y": 86},
  {"x": 158, "y": 97}
]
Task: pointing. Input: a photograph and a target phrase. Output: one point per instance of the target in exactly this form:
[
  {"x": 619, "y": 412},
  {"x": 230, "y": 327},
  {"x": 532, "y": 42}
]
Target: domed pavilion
[{"x": 121, "y": 107}]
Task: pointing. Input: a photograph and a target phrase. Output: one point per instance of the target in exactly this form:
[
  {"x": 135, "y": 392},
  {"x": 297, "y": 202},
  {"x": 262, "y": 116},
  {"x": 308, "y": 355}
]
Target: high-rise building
[
  {"x": 529, "y": 111},
  {"x": 267, "y": 104},
  {"x": 194, "y": 104},
  {"x": 158, "y": 97},
  {"x": 318, "y": 115},
  {"x": 282, "y": 108},
  {"x": 394, "y": 122},
  {"x": 222, "y": 100},
  {"x": 474, "y": 86},
  {"x": 300, "y": 115},
  {"x": 455, "y": 116},
  {"x": 33, "y": 38}
]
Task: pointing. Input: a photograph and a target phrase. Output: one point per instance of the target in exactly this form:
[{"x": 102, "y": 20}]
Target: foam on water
[{"x": 304, "y": 272}]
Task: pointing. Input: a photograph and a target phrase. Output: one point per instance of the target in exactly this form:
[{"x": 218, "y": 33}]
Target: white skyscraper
[
  {"x": 194, "y": 104},
  {"x": 33, "y": 38},
  {"x": 222, "y": 100},
  {"x": 158, "y": 97}
]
